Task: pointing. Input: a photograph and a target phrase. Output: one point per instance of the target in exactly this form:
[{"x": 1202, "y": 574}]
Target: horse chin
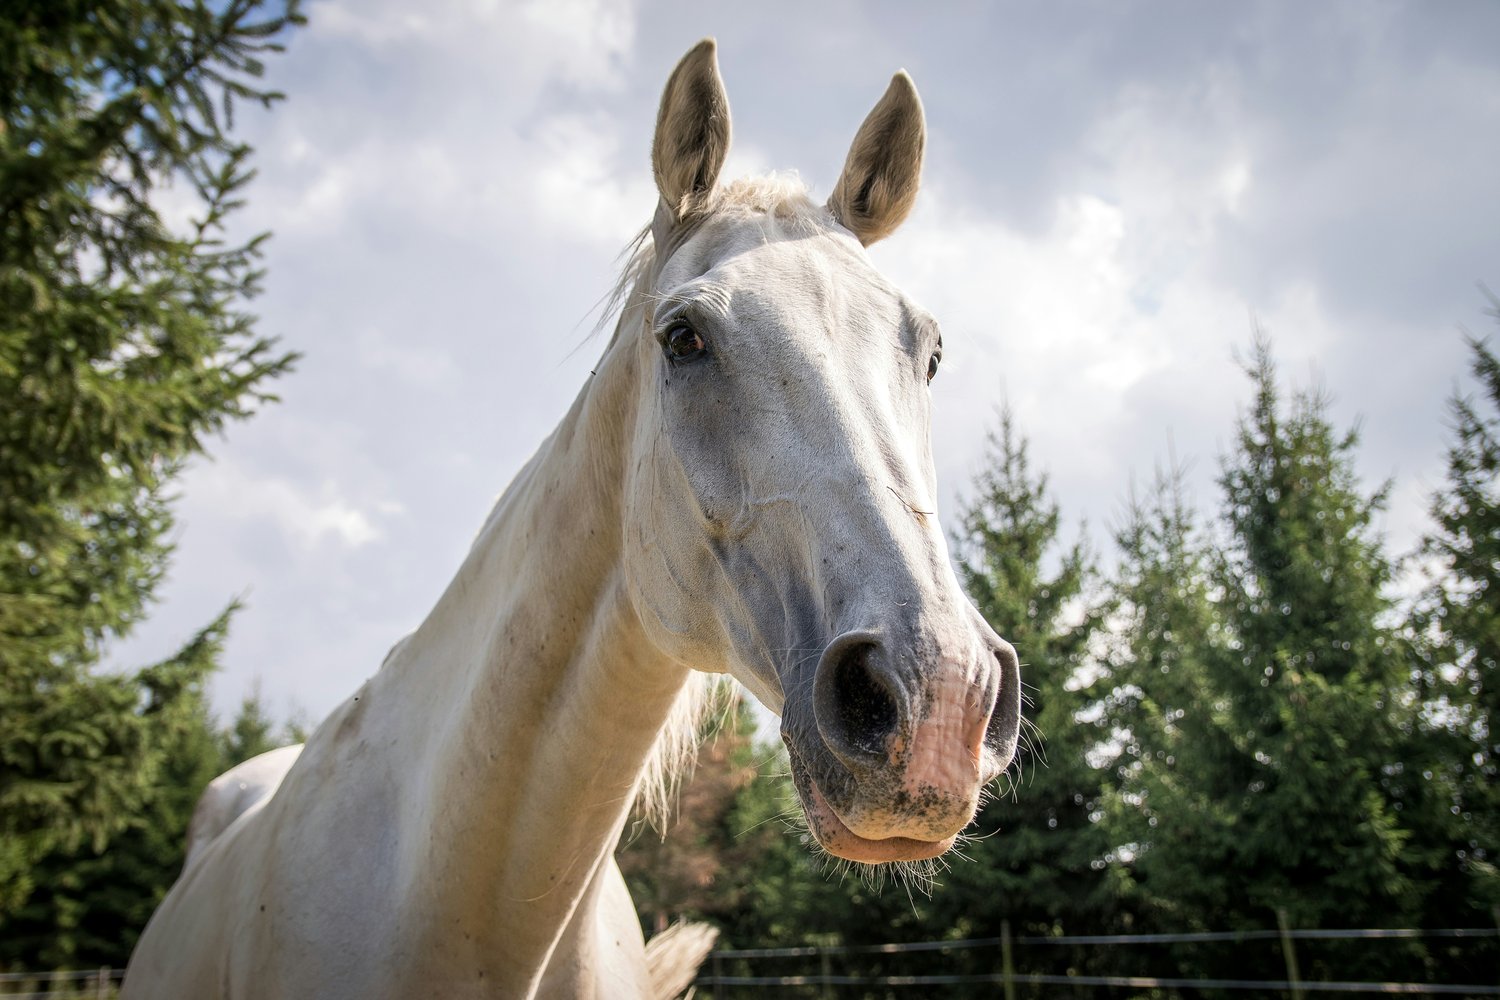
[{"x": 837, "y": 839}]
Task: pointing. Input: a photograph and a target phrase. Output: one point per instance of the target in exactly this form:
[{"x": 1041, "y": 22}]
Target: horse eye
[
  {"x": 683, "y": 342},
  {"x": 932, "y": 365}
]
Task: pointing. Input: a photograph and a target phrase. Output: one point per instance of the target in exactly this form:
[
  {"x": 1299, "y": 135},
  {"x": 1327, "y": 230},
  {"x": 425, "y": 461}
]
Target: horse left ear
[
  {"x": 879, "y": 184},
  {"x": 692, "y": 132}
]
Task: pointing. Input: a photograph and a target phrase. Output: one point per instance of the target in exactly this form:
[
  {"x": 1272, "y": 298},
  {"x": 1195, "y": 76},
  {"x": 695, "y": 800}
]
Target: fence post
[
  {"x": 1290, "y": 953},
  {"x": 103, "y": 988},
  {"x": 720, "y": 990},
  {"x": 1007, "y": 961},
  {"x": 827, "y": 972}
]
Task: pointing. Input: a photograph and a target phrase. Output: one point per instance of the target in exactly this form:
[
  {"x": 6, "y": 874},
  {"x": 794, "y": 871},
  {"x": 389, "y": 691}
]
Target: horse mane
[
  {"x": 675, "y": 753},
  {"x": 783, "y": 197}
]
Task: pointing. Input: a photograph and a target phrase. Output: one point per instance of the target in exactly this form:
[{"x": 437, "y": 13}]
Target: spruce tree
[
  {"x": 1038, "y": 840},
  {"x": 1311, "y": 678},
  {"x": 251, "y": 733},
  {"x": 1453, "y": 781},
  {"x": 1263, "y": 700},
  {"x": 1165, "y": 720},
  {"x": 88, "y": 908},
  {"x": 124, "y": 342},
  {"x": 1261, "y": 703},
  {"x": 1171, "y": 808}
]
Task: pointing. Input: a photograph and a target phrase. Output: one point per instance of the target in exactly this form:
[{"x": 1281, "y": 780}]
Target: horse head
[{"x": 781, "y": 492}]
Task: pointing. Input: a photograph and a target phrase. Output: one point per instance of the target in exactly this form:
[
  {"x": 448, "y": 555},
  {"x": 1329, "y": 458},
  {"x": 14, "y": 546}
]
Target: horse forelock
[{"x": 783, "y": 197}]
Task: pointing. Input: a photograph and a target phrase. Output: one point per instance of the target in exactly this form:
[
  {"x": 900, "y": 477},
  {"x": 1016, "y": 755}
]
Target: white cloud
[
  {"x": 383, "y": 145},
  {"x": 449, "y": 184},
  {"x": 307, "y": 515},
  {"x": 425, "y": 363},
  {"x": 576, "y": 187},
  {"x": 1234, "y": 182},
  {"x": 590, "y": 36},
  {"x": 580, "y": 42},
  {"x": 1101, "y": 331}
]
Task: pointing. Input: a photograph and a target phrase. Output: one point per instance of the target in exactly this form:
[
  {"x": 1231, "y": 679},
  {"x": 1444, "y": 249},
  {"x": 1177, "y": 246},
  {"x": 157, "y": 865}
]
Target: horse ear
[
  {"x": 692, "y": 132},
  {"x": 875, "y": 193}
]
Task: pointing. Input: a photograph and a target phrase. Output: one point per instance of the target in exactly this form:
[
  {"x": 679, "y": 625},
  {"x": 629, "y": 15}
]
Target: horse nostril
[
  {"x": 857, "y": 712},
  {"x": 1004, "y": 729}
]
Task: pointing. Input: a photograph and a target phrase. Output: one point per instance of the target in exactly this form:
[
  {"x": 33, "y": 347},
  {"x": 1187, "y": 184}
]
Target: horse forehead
[{"x": 801, "y": 284}]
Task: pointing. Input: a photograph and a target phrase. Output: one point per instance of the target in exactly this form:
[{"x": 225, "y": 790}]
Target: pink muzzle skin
[{"x": 932, "y": 787}]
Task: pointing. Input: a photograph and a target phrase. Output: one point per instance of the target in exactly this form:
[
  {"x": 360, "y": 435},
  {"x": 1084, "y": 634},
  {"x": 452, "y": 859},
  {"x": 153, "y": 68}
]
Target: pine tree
[
  {"x": 123, "y": 343},
  {"x": 1453, "y": 781},
  {"x": 1038, "y": 841},
  {"x": 251, "y": 733},
  {"x": 1310, "y": 683},
  {"x": 1262, "y": 705},
  {"x": 89, "y": 908},
  {"x": 1162, "y": 711},
  {"x": 1263, "y": 698}
]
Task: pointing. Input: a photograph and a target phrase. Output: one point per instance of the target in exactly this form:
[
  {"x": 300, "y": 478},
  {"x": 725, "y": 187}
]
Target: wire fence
[
  {"x": 999, "y": 953},
  {"x": 63, "y": 984},
  {"x": 994, "y": 968}
]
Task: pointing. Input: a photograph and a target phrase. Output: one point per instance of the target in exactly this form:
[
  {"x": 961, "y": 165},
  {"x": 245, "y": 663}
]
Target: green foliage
[
  {"x": 1039, "y": 841},
  {"x": 252, "y": 732},
  {"x": 1166, "y": 721},
  {"x": 1310, "y": 682},
  {"x": 89, "y": 907},
  {"x": 1262, "y": 702},
  {"x": 124, "y": 341},
  {"x": 1453, "y": 778}
]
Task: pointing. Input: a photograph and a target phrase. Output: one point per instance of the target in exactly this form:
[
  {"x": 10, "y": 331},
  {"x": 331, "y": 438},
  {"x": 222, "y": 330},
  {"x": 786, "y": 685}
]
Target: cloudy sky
[{"x": 1113, "y": 194}]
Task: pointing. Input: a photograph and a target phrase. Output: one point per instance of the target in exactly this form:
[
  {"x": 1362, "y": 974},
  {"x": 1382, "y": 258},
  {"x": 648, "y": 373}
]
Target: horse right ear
[{"x": 692, "y": 132}]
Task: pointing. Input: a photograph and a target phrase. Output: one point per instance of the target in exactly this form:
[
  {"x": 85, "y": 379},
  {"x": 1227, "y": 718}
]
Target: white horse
[
  {"x": 741, "y": 487},
  {"x": 234, "y": 793},
  {"x": 672, "y": 956}
]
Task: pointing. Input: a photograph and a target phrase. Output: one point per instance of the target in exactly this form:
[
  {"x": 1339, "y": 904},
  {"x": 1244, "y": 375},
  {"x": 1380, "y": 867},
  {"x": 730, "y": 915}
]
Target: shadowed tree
[
  {"x": 1453, "y": 775},
  {"x": 1309, "y": 683},
  {"x": 1167, "y": 723},
  {"x": 251, "y": 733},
  {"x": 124, "y": 342},
  {"x": 1037, "y": 842},
  {"x": 88, "y": 908},
  {"x": 1265, "y": 701}
]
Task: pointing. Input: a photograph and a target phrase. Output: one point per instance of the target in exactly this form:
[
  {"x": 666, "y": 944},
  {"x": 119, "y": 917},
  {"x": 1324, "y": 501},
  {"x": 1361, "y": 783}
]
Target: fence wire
[
  {"x": 1009, "y": 977},
  {"x": 62, "y": 984},
  {"x": 89, "y": 983}
]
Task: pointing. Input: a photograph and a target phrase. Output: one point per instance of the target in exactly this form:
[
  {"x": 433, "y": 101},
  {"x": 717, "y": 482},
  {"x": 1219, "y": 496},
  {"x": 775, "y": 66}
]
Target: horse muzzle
[{"x": 901, "y": 747}]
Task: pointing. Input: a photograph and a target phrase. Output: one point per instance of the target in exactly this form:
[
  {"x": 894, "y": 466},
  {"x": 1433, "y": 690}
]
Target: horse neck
[{"x": 535, "y": 695}]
